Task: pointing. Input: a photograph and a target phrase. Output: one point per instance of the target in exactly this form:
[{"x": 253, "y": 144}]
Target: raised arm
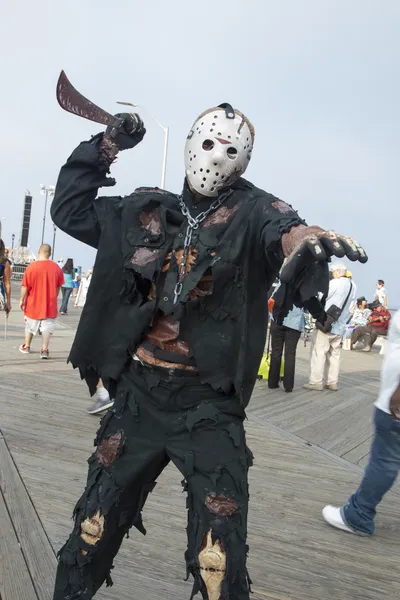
[{"x": 75, "y": 208}]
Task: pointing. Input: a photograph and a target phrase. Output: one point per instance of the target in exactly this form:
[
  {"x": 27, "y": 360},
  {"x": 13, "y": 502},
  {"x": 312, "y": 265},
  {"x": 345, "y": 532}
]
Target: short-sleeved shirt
[
  {"x": 381, "y": 295},
  {"x": 360, "y": 316},
  {"x": 42, "y": 279},
  {"x": 380, "y": 326},
  {"x": 338, "y": 292},
  {"x": 390, "y": 373}
]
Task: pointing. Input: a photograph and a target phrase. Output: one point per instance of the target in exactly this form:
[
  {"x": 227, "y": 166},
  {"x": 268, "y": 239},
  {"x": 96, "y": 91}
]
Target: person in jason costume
[{"x": 174, "y": 324}]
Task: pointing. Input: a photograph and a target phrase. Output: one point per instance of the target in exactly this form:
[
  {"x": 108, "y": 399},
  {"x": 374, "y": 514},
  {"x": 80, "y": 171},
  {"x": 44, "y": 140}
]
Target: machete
[{"x": 72, "y": 101}]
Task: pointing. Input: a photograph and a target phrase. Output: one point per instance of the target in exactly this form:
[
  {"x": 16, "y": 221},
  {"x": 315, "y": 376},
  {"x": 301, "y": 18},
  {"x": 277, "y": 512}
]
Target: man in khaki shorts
[{"x": 39, "y": 290}]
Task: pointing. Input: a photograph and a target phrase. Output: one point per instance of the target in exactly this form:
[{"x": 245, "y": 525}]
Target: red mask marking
[{"x": 222, "y": 141}]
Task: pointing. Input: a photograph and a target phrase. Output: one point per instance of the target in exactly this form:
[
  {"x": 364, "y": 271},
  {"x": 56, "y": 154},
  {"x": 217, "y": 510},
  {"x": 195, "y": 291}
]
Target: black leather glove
[
  {"x": 129, "y": 133},
  {"x": 303, "y": 291},
  {"x": 319, "y": 248}
]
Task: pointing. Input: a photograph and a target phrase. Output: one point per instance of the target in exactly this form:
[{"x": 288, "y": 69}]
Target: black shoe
[
  {"x": 273, "y": 387},
  {"x": 288, "y": 390}
]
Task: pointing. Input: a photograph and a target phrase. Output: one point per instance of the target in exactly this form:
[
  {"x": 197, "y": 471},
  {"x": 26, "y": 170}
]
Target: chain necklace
[{"x": 193, "y": 224}]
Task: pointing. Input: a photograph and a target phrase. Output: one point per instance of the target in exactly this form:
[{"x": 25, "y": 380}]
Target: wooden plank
[
  {"x": 31, "y": 536},
  {"x": 337, "y": 422},
  {"x": 359, "y": 453},
  {"x": 15, "y": 581}
]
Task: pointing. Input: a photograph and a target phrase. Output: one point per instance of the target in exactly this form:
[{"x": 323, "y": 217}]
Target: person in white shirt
[
  {"x": 326, "y": 347},
  {"x": 358, "y": 515},
  {"x": 83, "y": 289},
  {"x": 380, "y": 293},
  {"x": 360, "y": 312}
]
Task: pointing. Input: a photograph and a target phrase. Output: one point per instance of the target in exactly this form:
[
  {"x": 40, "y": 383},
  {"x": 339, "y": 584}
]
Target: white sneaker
[
  {"x": 332, "y": 516},
  {"x": 102, "y": 402},
  {"x": 316, "y": 387},
  {"x": 331, "y": 386}
]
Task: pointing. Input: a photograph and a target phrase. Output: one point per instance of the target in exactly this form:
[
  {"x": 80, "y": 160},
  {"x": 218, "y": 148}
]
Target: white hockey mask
[{"x": 218, "y": 150}]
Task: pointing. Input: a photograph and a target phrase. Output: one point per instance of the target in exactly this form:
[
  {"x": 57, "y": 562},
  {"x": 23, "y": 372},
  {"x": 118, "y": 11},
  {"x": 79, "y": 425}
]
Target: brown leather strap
[{"x": 148, "y": 358}]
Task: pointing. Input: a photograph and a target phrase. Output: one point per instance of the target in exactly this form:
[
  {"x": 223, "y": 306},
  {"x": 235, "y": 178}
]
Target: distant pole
[
  {"x": 54, "y": 242},
  {"x": 44, "y": 214},
  {"x": 12, "y": 241},
  {"x": 46, "y": 190},
  {"x": 164, "y": 167}
]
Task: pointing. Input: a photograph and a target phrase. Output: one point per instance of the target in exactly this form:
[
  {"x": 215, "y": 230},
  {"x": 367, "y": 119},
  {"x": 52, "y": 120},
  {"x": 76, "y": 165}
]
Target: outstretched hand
[{"x": 319, "y": 246}]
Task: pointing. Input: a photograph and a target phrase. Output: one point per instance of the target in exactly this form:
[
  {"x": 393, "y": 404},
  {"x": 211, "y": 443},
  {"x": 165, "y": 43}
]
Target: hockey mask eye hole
[
  {"x": 232, "y": 152},
  {"x": 208, "y": 145}
]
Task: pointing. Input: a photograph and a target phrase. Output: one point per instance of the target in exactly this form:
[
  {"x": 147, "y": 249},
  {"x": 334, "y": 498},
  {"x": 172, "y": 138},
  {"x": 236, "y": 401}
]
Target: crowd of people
[
  {"x": 349, "y": 316},
  {"x": 360, "y": 320},
  {"x": 42, "y": 282}
]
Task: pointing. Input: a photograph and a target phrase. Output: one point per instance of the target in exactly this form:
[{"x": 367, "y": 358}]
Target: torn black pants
[{"x": 157, "y": 418}]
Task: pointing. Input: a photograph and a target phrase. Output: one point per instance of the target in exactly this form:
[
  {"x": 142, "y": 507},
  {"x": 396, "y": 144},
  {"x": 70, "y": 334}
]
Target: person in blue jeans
[
  {"x": 68, "y": 270},
  {"x": 358, "y": 515}
]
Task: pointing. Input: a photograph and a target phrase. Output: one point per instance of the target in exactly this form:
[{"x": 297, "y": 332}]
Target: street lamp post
[
  {"x": 12, "y": 241},
  {"x": 54, "y": 241},
  {"x": 47, "y": 190},
  {"x": 164, "y": 167},
  {"x": 166, "y": 136}
]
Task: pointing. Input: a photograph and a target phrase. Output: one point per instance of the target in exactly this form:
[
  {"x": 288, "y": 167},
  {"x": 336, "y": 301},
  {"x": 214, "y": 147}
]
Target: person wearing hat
[
  {"x": 326, "y": 341},
  {"x": 361, "y": 313},
  {"x": 377, "y": 324}
]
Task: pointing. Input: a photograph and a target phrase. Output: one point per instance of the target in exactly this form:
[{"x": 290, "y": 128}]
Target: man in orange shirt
[{"x": 40, "y": 286}]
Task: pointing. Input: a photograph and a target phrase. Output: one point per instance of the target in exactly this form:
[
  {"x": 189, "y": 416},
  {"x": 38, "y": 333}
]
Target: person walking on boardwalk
[
  {"x": 284, "y": 340},
  {"x": 102, "y": 400},
  {"x": 358, "y": 515},
  {"x": 68, "y": 285},
  {"x": 38, "y": 301},
  {"x": 326, "y": 339},
  {"x": 5, "y": 280},
  {"x": 174, "y": 325}
]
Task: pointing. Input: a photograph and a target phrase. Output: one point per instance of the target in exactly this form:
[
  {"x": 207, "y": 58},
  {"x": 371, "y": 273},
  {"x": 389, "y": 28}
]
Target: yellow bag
[{"x": 263, "y": 371}]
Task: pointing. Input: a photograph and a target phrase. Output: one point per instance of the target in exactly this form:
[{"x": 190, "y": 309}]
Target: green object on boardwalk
[{"x": 263, "y": 371}]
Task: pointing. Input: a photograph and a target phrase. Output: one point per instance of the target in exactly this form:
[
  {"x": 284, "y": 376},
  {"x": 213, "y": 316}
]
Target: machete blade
[{"x": 72, "y": 101}]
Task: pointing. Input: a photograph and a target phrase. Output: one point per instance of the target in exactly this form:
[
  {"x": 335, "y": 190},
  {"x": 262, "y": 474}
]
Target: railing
[{"x": 18, "y": 272}]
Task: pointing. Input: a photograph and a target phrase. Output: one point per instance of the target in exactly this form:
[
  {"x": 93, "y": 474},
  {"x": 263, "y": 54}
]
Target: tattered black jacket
[{"x": 226, "y": 330}]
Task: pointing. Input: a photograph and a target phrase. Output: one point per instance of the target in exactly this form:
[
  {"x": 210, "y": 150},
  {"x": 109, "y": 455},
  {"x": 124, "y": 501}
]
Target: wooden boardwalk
[{"x": 309, "y": 450}]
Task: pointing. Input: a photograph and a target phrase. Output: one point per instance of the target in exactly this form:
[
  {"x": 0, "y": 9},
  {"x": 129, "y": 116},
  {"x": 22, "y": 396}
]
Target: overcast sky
[{"x": 318, "y": 78}]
